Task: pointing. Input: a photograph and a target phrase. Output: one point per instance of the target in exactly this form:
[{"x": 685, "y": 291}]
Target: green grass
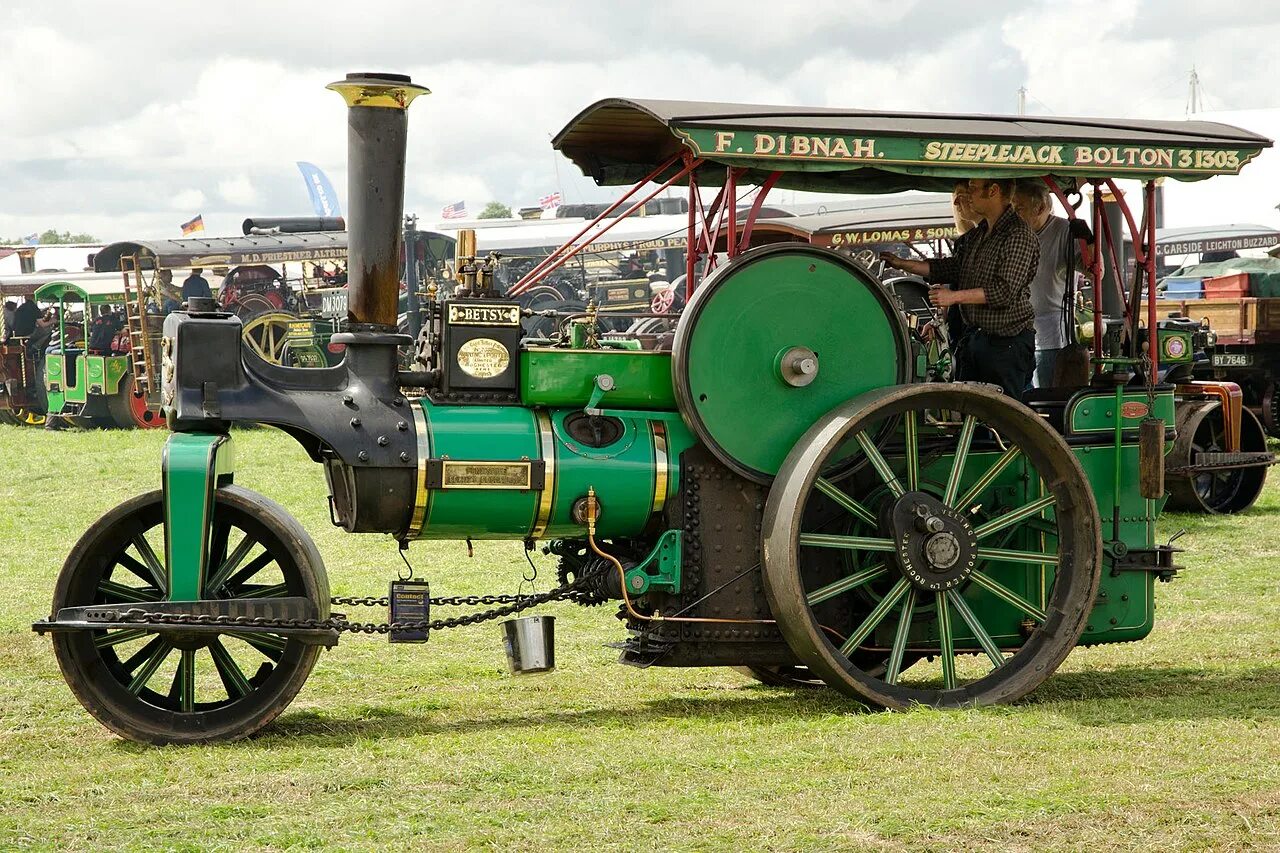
[{"x": 1170, "y": 743}]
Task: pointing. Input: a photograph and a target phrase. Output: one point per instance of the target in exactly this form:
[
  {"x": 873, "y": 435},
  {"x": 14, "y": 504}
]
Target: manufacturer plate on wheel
[{"x": 1232, "y": 359}]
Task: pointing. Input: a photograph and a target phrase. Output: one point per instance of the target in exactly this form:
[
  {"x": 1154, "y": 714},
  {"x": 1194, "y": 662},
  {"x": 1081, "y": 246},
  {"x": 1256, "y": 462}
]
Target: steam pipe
[{"x": 376, "y": 131}]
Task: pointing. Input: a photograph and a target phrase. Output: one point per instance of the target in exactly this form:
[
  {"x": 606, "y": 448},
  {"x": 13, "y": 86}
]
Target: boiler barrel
[{"x": 502, "y": 472}]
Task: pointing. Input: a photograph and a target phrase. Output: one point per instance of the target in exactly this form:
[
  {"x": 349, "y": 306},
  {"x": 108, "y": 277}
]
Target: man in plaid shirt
[{"x": 991, "y": 270}]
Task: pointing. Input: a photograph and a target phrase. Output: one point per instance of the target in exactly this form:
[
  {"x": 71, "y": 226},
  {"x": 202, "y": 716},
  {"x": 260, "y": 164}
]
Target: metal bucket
[{"x": 530, "y": 642}]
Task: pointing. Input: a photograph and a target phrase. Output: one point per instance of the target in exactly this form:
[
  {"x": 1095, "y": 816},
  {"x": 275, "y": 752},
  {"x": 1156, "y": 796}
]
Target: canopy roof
[
  {"x": 102, "y": 290},
  {"x": 226, "y": 251},
  {"x": 22, "y": 285},
  {"x": 619, "y": 141}
]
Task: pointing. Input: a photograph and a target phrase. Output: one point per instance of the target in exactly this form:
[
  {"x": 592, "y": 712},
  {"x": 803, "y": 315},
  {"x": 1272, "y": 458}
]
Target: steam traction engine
[{"x": 777, "y": 492}]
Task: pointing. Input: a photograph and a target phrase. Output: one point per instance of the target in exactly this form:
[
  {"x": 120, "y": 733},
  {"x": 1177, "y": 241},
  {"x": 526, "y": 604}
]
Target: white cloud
[
  {"x": 188, "y": 199},
  {"x": 238, "y": 190},
  {"x": 122, "y": 120}
]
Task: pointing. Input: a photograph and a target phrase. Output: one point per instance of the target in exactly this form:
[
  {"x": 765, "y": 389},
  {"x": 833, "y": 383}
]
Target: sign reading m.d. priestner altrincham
[{"x": 1038, "y": 157}]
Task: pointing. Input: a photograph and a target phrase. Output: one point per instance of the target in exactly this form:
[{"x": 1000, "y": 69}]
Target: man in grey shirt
[{"x": 1034, "y": 203}]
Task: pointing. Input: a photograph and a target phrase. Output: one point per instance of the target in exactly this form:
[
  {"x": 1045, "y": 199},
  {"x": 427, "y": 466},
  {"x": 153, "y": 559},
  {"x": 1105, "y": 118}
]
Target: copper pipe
[{"x": 593, "y": 508}]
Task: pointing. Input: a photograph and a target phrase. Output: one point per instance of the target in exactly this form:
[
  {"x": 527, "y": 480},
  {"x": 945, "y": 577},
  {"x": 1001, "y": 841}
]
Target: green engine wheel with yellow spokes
[
  {"x": 940, "y": 525},
  {"x": 171, "y": 687}
]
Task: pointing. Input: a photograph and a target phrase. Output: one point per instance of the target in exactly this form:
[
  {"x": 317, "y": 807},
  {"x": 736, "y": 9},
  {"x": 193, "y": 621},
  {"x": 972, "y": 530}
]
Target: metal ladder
[{"x": 135, "y": 313}]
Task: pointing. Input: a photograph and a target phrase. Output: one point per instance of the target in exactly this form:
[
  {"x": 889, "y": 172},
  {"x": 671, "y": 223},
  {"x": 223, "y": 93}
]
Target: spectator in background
[
  {"x": 9, "y": 308},
  {"x": 196, "y": 285},
  {"x": 171, "y": 297},
  {"x": 25, "y": 317}
]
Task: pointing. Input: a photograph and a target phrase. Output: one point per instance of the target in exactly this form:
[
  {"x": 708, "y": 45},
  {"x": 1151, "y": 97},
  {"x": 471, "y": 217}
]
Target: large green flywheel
[
  {"x": 774, "y": 340},
  {"x": 188, "y": 687},
  {"x": 938, "y": 525}
]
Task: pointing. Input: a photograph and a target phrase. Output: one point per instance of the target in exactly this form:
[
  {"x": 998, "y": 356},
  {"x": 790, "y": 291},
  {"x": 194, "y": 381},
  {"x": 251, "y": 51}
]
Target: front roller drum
[
  {"x": 176, "y": 688},
  {"x": 939, "y": 527}
]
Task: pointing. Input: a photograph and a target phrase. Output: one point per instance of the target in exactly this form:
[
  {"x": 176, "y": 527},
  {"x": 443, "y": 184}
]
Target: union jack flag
[
  {"x": 549, "y": 201},
  {"x": 457, "y": 210}
]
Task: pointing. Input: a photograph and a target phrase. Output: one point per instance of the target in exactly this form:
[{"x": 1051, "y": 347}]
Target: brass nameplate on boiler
[
  {"x": 465, "y": 474},
  {"x": 483, "y": 315}
]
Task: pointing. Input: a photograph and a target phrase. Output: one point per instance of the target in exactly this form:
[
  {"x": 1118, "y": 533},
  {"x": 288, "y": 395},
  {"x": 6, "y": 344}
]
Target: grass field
[{"x": 1171, "y": 743}]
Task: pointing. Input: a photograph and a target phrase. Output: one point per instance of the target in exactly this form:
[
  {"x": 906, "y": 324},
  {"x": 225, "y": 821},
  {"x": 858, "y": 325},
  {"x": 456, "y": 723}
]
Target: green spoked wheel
[
  {"x": 936, "y": 523},
  {"x": 787, "y": 330},
  {"x": 188, "y": 688}
]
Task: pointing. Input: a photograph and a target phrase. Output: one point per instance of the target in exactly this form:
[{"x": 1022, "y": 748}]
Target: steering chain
[{"x": 511, "y": 604}]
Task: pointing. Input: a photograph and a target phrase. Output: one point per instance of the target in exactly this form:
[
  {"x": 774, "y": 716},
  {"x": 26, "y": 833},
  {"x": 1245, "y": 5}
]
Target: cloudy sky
[{"x": 125, "y": 119}]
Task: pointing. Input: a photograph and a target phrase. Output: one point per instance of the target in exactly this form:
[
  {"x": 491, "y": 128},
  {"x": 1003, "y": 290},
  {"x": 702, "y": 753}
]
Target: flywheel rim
[{"x": 690, "y": 401}]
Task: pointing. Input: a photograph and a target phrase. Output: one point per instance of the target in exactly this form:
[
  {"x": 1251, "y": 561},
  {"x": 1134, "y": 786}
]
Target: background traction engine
[{"x": 775, "y": 493}]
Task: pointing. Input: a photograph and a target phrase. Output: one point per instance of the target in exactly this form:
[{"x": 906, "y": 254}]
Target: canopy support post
[
  {"x": 731, "y": 207},
  {"x": 1149, "y": 264},
  {"x": 1096, "y": 215},
  {"x": 534, "y": 277},
  {"x": 690, "y": 245},
  {"x": 554, "y": 260},
  {"x": 752, "y": 215}
]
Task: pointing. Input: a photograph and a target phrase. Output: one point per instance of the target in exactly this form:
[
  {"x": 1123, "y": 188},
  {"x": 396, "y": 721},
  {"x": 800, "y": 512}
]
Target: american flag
[
  {"x": 457, "y": 210},
  {"x": 549, "y": 201}
]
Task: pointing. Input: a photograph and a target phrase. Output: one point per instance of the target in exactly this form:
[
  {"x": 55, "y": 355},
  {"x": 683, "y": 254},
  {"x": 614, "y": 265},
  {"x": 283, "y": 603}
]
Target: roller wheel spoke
[
  {"x": 116, "y": 593},
  {"x": 962, "y": 454},
  {"x": 107, "y": 639},
  {"x": 1005, "y": 594},
  {"x": 250, "y": 571},
  {"x": 845, "y": 584},
  {"x": 877, "y": 615},
  {"x": 848, "y": 543},
  {"x": 261, "y": 591},
  {"x": 881, "y": 467},
  {"x": 900, "y": 637},
  {"x": 1008, "y": 555},
  {"x": 272, "y": 646},
  {"x": 946, "y": 640},
  {"x": 911, "y": 449},
  {"x": 144, "y": 666},
  {"x": 229, "y": 671},
  {"x": 854, "y": 508},
  {"x": 975, "y": 625},
  {"x": 984, "y": 482},
  {"x": 219, "y": 577},
  {"x": 1008, "y": 519}
]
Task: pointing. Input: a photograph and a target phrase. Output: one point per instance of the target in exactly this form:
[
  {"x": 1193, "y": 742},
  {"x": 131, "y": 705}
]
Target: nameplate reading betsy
[{"x": 484, "y": 315}]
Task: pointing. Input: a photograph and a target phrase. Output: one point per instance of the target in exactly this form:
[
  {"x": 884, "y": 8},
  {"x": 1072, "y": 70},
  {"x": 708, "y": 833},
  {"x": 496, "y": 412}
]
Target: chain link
[{"x": 511, "y": 604}]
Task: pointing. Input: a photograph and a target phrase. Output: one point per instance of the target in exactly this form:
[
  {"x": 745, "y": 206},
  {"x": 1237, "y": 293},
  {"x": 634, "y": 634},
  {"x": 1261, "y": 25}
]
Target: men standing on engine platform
[
  {"x": 1034, "y": 203},
  {"x": 992, "y": 270}
]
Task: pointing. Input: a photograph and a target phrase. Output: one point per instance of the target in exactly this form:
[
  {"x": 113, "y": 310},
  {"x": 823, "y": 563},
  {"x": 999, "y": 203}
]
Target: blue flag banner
[{"x": 323, "y": 199}]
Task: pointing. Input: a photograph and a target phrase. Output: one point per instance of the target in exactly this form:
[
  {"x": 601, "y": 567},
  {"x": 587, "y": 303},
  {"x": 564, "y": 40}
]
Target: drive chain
[{"x": 511, "y": 604}]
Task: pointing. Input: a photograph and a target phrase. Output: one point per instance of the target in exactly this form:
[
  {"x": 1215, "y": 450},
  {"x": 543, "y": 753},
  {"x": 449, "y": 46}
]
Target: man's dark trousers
[{"x": 1004, "y": 361}]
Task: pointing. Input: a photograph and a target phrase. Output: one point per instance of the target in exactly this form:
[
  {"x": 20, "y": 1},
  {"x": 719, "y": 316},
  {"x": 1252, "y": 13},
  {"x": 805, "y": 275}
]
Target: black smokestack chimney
[{"x": 376, "y": 130}]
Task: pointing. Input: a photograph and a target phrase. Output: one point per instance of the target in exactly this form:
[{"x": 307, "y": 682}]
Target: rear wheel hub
[{"x": 936, "y": 546}]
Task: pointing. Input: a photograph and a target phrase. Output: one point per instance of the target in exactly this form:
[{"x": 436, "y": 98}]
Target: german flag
[{"x": 192, "y": 226}]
